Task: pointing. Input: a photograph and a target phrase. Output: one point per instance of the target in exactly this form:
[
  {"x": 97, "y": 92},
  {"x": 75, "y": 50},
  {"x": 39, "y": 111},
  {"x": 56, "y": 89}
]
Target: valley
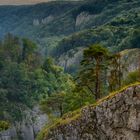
[{"x": 64, "y": 65}]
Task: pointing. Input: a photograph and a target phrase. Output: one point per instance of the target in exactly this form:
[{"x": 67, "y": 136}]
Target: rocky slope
[
  {"x": 28, "y": 128},
  {"x": 116, "y": 117}
]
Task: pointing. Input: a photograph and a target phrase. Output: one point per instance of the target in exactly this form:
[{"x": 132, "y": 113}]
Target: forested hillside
[
  {"x": 60, "y": 56},
  {"x": 35, "y": 21},
  {"x": 49, "y": 23},
  {"x": 26, "y": 78}
]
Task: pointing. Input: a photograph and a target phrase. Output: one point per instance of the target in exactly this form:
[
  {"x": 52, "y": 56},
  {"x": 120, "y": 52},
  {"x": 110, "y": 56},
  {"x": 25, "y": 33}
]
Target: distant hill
[
  {"x": 63, "y": 26},
  {"x": 35, "y": 21}
]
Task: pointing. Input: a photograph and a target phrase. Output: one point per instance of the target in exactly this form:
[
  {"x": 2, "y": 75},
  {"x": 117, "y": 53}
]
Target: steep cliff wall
[
  {"x": 116, "y": 117},
  {"x": 28, "y": 128}
]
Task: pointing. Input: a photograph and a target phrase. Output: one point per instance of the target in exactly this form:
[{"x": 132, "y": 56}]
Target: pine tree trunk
[{"x": 97, "y": 83}]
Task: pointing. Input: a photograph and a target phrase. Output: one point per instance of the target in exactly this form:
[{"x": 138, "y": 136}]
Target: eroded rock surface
[
  {"x": 117, "y": 118},
  {"x": 82, "y": 18},
  {"x": 28, "y": 128}
]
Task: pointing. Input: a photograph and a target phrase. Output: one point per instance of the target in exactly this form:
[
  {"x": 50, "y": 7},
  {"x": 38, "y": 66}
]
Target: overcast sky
[{"x": 3, "y": 2}]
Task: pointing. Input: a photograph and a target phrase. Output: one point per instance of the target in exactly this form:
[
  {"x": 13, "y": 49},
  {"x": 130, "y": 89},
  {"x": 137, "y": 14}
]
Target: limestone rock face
[
  {"x": 117, "y": 118},
  {"x": 46, "y": 20},
  {"x": 36, "y": 22},
  {"x": 10, "y": 134},
  {"x": 82, "y": 18},
  {"x": 27, "y": 129},
  {"x": 72, "y": 58},
  {"x": 130, "y": 60}
]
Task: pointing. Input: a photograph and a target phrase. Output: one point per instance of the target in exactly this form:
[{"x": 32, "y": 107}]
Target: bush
[
  {"x": 132, "y": 77},
  {"x": 4, "y": 125}
]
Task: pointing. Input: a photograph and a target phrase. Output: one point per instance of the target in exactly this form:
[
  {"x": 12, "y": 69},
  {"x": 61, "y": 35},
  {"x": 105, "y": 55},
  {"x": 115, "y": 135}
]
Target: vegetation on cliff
[
  {"x": 28, "y": 75},
  {"x": 26, "y": 78},
  {"x": 4, "y": 125},
  {"x": 95, "y": 59},
  {"x": 72, "y": 117},
  {"x": 65, "y": 25}
]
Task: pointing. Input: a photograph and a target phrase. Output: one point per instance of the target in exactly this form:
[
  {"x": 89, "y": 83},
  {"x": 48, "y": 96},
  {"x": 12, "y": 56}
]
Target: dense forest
[{"x": 27, "y": 77}]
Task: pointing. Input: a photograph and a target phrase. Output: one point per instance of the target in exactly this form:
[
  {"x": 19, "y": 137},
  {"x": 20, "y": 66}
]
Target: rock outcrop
[
  {"x": 70, "y": 59},
  {"x": 82, "y": 18},
  {"x": 128, "y": 59},
  {"x": 46, "y": 20},
  {"x": 28, "y": 128},
  {"x": 116, "y": 117}
]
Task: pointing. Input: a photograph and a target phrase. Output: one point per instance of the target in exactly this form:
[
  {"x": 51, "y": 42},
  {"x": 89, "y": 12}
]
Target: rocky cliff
[
  {"x": 116, "y": 117},
  {"x": 72, "y": 59},
  {"x": 28, "y": 128}
]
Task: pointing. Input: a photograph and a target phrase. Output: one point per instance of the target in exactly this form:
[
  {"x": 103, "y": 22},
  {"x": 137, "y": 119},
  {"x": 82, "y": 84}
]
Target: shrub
[{"x": 4, "y": 125}]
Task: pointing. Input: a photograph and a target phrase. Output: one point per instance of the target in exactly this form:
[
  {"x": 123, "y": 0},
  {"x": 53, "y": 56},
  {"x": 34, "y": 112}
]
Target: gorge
[{"x": 70, "y": 70}]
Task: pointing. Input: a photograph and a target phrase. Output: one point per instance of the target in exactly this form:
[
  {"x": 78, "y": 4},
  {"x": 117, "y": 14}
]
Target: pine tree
[{"x": 93, "y": 67}]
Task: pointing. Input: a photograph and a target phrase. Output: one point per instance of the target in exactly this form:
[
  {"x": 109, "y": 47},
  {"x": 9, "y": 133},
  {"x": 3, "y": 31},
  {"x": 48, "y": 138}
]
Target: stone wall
[{"x": 115, "y": 118}]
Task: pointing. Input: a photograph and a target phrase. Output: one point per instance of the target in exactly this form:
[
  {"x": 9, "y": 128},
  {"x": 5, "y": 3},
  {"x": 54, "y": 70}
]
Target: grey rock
[
  {"x": 115, "y": 119},
  {"x": 27, "y": 129}
]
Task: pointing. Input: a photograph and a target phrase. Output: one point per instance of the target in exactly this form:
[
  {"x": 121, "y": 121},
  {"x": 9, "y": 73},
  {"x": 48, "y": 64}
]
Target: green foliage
[
  {"x": 77, "y": 99},
  {"x": 15, "y": 80},
  {"x": 10, "y": 48},
  {"x": 132, "y": 77},
  {"x": 28, "y": 51},
  {"x": 54, "y": 104},
  {"x": 116, "y": 27},
  {"x": 25, "y": 81},
  {"x": 25, "y": 78},
  {"x": 122, "y": 15},
  {"x": 101, "y": 72},
  {"x": 57, "y": 80},
  {"x": 17, "y": 88},
  {"x": 93, "y": 68},
  {"x": 116, "y": 70},
  {"x": 132, "y": 41},
  {"x": 4, "y": 125},
  {"x": 63, "y": 103}
]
